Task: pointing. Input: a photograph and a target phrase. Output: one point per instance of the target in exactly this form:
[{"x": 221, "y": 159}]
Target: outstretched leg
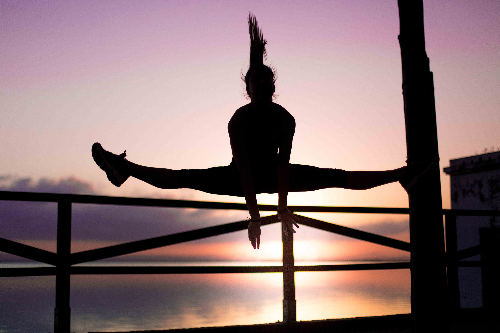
[
  {"x": 310, "y": 178},
  {"x": 118, "y": 169},
  {"x": 363, "y": 180},
  {"x": 158, "y": 177},
  {"x": 407, "y": 176}
]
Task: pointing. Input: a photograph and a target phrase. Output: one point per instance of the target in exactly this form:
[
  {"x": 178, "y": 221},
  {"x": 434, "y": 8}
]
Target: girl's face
[{"x": 261, "y": 85}]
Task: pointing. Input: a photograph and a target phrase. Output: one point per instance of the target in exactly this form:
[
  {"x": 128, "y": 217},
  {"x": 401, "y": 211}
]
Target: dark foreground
[{"x": 465, "y": 322}]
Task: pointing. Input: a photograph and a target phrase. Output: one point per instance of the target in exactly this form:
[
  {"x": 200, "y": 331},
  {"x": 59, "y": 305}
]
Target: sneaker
[
  {"x": 110, "y": 163},
  {"x": 414, "y": 172}
]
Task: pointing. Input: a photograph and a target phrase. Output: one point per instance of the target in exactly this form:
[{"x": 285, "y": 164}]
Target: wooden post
[
  {"x": 289, "y": 302},
  {"x": 62, "y": 312},
  {"x": 428, "y": 271}
]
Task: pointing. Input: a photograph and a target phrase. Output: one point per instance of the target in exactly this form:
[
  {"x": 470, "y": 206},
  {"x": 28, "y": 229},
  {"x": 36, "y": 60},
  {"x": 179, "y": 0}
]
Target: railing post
[
  {"x": 452, "y": 270},
  {"x": 429, "y": 304},
  {"x": 289, "y": 302},
  {"x": 62, "y": 312}
]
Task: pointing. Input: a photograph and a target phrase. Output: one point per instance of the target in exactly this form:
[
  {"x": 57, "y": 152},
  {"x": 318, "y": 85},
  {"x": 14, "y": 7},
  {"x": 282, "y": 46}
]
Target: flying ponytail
[{"x": 257, "y": 43}]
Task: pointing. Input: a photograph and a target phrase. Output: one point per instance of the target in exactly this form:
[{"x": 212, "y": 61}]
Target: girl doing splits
[{"x": 261, "y": 135}]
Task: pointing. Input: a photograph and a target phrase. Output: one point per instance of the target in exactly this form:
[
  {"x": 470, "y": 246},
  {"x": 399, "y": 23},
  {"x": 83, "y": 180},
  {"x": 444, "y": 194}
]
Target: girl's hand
[
  {"x": 254, "y": 233},
  {"x": 288, "y": 220}
]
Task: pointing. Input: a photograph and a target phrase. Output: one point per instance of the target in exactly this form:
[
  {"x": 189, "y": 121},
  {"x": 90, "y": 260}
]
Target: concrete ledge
[
  {"x": 395, "y": 323},
  {"x": 464, "y": 321}
]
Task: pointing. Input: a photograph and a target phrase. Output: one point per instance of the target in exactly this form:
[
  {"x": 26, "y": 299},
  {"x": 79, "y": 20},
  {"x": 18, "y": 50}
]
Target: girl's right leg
[
  {"x": 158, "y": 177},
  {"x": 223, "y": 180},
  {"x": 118, "y": 169}
]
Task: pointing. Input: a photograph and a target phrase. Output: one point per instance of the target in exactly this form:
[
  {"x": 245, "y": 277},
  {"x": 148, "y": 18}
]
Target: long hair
[
  {"x": 257, "y": 52},
  {"x": 257, "y": 43}
]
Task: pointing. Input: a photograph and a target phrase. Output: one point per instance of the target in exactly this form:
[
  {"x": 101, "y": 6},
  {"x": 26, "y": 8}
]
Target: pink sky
[{"x": 162, "y": 78}]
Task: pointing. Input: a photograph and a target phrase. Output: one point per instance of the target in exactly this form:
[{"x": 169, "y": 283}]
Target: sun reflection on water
[{"x": 155, "y": 302}]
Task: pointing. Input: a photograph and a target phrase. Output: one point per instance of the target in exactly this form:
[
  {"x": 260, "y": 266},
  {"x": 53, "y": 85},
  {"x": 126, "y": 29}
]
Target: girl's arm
[
  {"x": 286, "y": 216},
  {"x": 236, "y": 131}
]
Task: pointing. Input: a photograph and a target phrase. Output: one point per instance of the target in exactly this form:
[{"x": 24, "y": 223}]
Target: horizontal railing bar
[
  {"x": 353, "y": 267},
  {"x": 27, "y": 271},
  {"x": 145, "y": 270},
  {"x": 354, "y": 233},
  {"x": 122, "y": 201},
  {"x": 230, "y": 269},
  {"x": 357, "y": 210},
  {"x": 149, "y": 202},
  {"x": 132, "y": 270},
  {"x": 471, "y": 212},
  {"x": 28, "y": 252},
  {"x": 156, "y": 242}
]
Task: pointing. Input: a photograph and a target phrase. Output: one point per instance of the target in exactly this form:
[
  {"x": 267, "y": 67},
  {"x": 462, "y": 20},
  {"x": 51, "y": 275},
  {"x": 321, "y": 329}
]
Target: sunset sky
[{"x": 161, "y": 79}]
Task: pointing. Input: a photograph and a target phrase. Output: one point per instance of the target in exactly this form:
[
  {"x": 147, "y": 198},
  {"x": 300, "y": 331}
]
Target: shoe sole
[{"x": 113, "y": 175}]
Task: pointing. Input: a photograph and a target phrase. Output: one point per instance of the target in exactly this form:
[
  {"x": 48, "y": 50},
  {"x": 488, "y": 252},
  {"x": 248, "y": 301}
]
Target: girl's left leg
[
  {"x": 363, "y": 180},
  {"x": 310, "y": 178},
  {"x": 408, "y": 176}
]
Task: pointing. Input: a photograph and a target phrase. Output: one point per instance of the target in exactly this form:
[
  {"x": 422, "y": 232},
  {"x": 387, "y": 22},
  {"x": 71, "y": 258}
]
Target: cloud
[
  {"x": 4, "y": 178},
  {"x": 65, "y": 185},
  {"x": 387, "y": 228},
  {"x": 38, "y": 220}
]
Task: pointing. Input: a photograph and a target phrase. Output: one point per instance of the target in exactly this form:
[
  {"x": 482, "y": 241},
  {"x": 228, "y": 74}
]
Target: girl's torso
[{"x": 262, "y": 134}]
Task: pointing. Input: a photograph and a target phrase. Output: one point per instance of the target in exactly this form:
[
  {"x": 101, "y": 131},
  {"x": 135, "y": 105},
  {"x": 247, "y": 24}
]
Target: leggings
[{"x": 225, "y": 180}]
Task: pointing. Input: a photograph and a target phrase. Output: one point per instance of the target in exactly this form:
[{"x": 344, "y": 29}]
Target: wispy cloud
[
  {"x": 64, "y": 185},
  {"x": 37, "y": 221}
]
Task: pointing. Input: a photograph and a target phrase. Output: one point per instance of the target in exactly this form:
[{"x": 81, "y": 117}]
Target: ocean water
[{"x": 155, "y": 302}]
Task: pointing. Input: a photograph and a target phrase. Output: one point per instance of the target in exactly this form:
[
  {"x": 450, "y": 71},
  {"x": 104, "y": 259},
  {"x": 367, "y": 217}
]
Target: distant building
[{"x": 475, "y": 184}]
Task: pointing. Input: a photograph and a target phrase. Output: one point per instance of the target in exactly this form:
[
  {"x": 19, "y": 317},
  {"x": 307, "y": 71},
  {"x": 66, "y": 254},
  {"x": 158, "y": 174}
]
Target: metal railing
[{"x": 63, "y": 260}]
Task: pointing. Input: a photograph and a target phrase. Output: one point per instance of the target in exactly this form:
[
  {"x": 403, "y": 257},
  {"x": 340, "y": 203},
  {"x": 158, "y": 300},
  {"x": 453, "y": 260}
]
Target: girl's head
[{"x": 259, "y": 82}]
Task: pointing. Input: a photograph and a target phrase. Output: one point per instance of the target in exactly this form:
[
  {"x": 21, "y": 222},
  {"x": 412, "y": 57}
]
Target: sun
[
  {"x": 272, "y": 250},
  {"x": 306, "y": 250}
]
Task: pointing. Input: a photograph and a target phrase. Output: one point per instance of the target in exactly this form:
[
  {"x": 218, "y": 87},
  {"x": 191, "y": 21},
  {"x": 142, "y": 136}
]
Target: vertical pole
[
  {"x": 289, "y": 303},
  {"x": 62, "y": 312},
  {"x": 452, "y": 270},
  {"x": 428, "y": 270}
]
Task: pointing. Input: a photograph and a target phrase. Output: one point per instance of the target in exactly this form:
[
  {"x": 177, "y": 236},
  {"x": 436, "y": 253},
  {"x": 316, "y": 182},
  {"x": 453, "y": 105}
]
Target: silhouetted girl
[{"x": 261, "y": 135}]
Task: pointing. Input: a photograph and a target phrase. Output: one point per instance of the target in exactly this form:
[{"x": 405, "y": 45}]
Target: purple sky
[{"x": 162, "y": 78}]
